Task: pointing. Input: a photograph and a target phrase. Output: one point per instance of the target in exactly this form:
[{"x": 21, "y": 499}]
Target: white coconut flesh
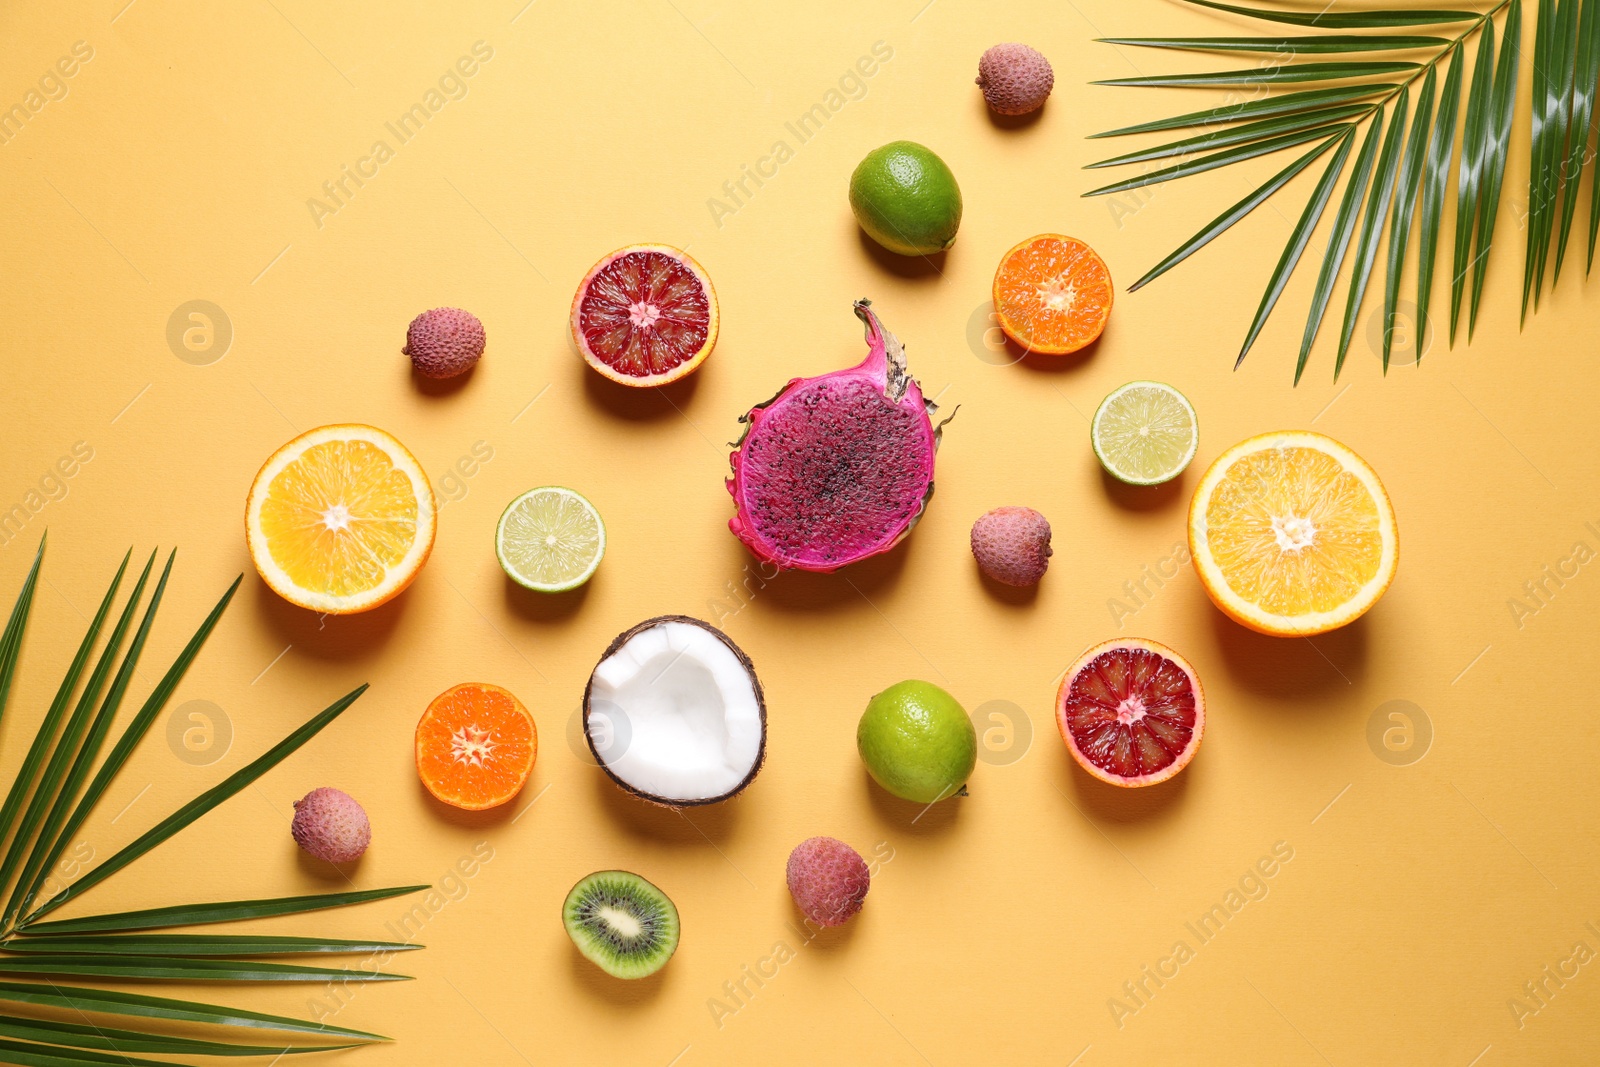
[{"x": 674, "y": 715}]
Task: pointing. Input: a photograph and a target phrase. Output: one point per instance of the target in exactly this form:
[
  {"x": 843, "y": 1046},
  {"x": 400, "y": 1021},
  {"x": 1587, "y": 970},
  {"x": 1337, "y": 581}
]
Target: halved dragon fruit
[{"x": 837, "y": 468}]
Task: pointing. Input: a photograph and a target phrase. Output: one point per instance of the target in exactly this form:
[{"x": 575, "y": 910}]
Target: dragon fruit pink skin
[{"x": 837, "y": 468}]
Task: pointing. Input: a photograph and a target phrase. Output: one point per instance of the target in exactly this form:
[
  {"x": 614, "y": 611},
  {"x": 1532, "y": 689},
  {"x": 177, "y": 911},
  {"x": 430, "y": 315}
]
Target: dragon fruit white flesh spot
[{"x": 837, "y": 468}]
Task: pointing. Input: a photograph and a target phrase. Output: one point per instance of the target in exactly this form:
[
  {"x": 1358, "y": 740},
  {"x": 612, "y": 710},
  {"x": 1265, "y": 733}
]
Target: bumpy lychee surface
[
  {"x": 1012, "y": 545},
  {"x": 331, "y": 826},
  {"x": 444, "y": 342},
  {"x": 1015, "y": 79},
  {"x": 828, "y": 880}
]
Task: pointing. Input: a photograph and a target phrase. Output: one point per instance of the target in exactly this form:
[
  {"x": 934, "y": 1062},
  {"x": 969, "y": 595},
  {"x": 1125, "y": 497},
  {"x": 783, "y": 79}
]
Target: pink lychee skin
[
  {"x": 828, "y": 880},
  {"x": 444, "y": 342},
  {"x": 1015, "y": 79},
  {"x": 1012, "y": 545},
  {"x": 837, "y": 468},
  {"x": 331, "y": 826}
]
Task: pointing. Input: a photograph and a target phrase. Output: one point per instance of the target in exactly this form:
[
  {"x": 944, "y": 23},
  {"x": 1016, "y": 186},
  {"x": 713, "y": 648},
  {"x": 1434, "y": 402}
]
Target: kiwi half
[{"x": 623, "y": 924}]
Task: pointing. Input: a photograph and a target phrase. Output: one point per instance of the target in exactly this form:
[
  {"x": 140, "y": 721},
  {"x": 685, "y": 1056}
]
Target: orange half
[
  {"x": 1292, "y": 534},
  {"x": 476, "y": 745},
  {"x": 1053, "y": 294},
  {"x": 341, "y": 519}
]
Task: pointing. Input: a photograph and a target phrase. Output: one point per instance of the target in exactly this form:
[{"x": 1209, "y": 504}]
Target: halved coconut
[{"x": 674, "y": 713}]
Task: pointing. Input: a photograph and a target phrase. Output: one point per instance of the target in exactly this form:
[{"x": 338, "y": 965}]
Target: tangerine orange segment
[
  {"x": 1053, "y": 294},
  {"x": 476, "y": 745},
  {"x": 340, "y": 519},
  {"x": 1293, "y": 534}
]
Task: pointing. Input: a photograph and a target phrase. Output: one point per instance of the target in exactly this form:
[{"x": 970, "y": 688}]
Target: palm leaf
[
  {"x": 46, "y": 793},
  {"x": 1347, "y": 20},
  {"x": 27, "y": 1055},
  {"x": 1469, "y": 177},
  {"x": 1324, "y": 45},
  {"x": 200, "y": 945},
  {"x": 1299, "y": 238},
  {"x": 1433, "y": 189},
  {"x": 1288, "y": 104},
  {"x": 1344, "y": 226},
  {"x": 183, "y": 969},
  {"x": 1235, "y": 213},
  {"x": 110, "y": 1038},
  {"x": 1586, "y": 73},
  {"x": 36, "y": 870},
  {"x": 67, "y": 746},
  {"x": 1554, "y": 68},
  {"x": 197, "y": 914},
  {"x": 1217, "y": 159},
  {"x": 133, "y": 733},
  {"x": 1407, "y": 185},
  {"x": 1253, "y": 131},
  {"x": 11, "y": 638},
  {"x": 201, "y": 804},
  {"x": 1286, "y": 75},
  {"x": 110, "y": 1002},
  {"x": 1499, "y": 140},
  {"x": 1543, "y": 136},
  {"x": 1366, "y": 251},
  {"x": 1566, "y": 73},
  {"x": 1410, "y": 181},
  {"x": 40, "y": 749}
]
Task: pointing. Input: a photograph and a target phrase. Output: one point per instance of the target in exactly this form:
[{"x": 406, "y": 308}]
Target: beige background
[{"x": 178, "y": 166}]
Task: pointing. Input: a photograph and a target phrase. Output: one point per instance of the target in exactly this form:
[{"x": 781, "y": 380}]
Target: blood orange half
[
  {"x": 1131, "y": 712},
  {"x": 645, "y": 315}
]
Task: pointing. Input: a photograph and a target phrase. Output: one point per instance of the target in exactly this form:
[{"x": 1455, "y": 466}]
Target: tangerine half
[
  {"x": 1053, "y": 294},
  {"x": 476, "y": 745}
]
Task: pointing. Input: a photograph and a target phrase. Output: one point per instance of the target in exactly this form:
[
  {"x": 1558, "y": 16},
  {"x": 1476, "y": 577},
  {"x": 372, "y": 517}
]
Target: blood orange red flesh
[
  {"x": 645, "y": 315},
  {"x": 1131, "y": 712}
]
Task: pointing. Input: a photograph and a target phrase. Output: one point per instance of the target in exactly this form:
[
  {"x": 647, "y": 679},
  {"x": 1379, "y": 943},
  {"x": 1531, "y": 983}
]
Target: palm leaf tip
[
  {"x": 1362, "y": 20},
  {"x": 1586, "y": 75},
  {"x": 1372, "y": 226},
  {"x": 1299, "y": 238},
  {"x": 224, "y": 911},
  {"x": 1502, "y": 104}
]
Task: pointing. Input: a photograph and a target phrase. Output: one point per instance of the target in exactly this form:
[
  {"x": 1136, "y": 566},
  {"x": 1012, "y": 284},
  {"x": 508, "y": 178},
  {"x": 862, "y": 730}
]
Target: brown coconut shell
[{"x": 755, "y": 682}]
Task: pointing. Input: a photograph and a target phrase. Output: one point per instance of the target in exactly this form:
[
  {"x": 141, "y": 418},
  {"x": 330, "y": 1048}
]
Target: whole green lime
[
  {"x": 906, "y": 199},
  {"x": 917, "y": 742}
]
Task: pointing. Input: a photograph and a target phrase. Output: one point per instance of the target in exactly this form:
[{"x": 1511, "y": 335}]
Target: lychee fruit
[
  {"x": 444, "y": 342},
  {"x": 1012, "y": 545},
  {"x": 1015, "y": 79},
  {"x": 331, "y": 826},
  {"x": 828, "y": 880}
]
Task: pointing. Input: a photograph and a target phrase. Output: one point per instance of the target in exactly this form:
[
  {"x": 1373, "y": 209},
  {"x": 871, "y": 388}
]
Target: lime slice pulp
[
  {"x": 550, "y": 539},
  {"x": 1145, "y": 433}
]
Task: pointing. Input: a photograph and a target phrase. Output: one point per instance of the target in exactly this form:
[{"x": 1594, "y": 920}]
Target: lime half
[
  {"x": 1145, "y": 433},
  {"x": 550, "y": 539}
]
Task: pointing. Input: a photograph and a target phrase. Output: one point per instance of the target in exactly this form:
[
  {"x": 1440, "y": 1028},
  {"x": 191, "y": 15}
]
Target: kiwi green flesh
[{"x": 621, "y": 923}]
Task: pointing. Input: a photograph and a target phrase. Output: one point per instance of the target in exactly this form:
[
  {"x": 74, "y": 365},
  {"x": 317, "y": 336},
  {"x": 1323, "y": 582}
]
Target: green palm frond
[
  {"x": 1406, "y": 89},
  {"x": 60, "y": 783}
]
